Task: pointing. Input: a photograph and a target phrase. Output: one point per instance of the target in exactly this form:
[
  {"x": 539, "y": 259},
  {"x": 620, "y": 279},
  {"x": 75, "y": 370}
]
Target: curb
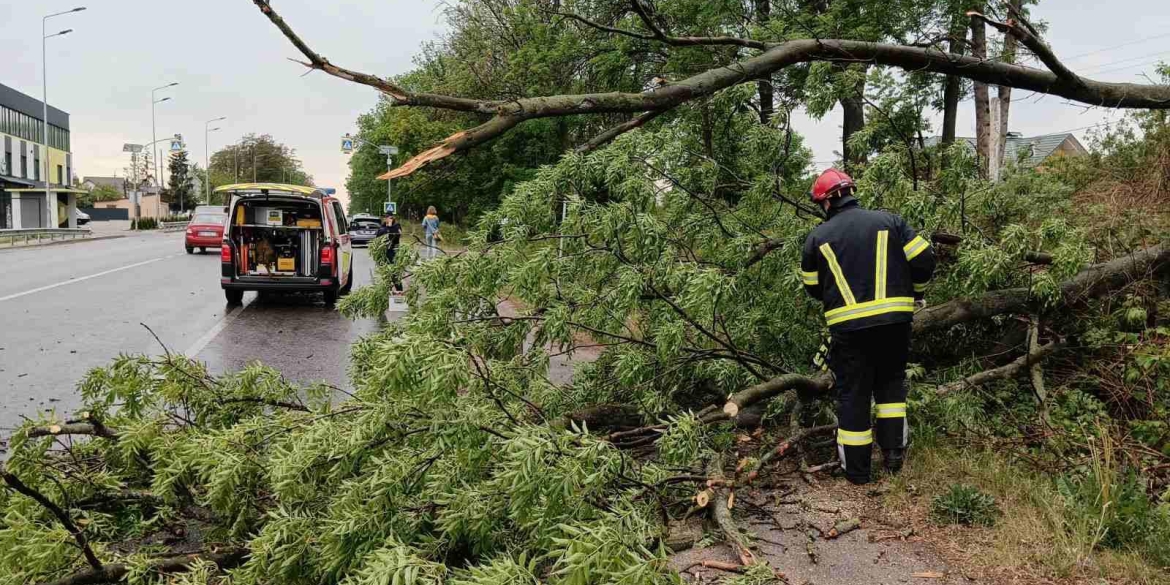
[{"x": 62, "y": 242}]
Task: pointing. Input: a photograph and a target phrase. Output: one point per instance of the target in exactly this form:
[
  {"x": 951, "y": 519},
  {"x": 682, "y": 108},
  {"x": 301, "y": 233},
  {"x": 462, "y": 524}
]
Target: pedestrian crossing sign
[
  {"x": 390, "y": 207},
  {"x": 347, "y": 144}
]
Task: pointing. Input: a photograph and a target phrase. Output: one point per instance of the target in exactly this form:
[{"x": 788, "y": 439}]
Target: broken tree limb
[
  {"x": 1093, "y": 281},
  {"x": 63, "y": 517},
  {"x": 114, "y": 573},
  {"x": 1035, "y": 371},
  {"x": 509, "y": 113},
  {"x": 1023, "y": 362},
  {"x": 769, "y": 389},
  {"x": 92, "y": 428},
  {"x": 721, "y": 512},
  {"x": 786, "y": 445}
]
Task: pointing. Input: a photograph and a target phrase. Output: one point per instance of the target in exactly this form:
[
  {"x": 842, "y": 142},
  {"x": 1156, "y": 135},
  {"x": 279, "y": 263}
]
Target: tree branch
[
  {"x": 1021, "y": 30},
  {"x": 607, "y": 136},
  {"x": 94, "y": 428},
  {"x": 78, "y": 535},
  {"x": 1022, "y": 363}
]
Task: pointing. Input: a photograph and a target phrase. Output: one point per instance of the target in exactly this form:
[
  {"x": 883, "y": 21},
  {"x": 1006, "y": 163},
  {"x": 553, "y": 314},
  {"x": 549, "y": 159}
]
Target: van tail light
[
  {"x": 225, "y": 253},
  {"x": 327, "y": 254}
]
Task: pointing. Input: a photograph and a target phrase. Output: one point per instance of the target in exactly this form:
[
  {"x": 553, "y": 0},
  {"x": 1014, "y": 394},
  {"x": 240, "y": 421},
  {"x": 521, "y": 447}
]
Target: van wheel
[
  {"x": 234, "y": 297},
  {"x": 348, "y": 283},
  {"x": 190, "y": 250},
  {"x": 330, "y": 297}
]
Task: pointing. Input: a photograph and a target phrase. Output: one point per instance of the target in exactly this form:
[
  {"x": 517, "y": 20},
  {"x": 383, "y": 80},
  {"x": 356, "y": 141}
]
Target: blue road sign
[{"x": 390, "y": 207}]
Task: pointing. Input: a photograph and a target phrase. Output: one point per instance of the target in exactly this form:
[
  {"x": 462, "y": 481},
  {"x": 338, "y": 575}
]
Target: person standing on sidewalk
[
  {"x": 430, "y": 225},
  {"x": 869, "y": 289}
]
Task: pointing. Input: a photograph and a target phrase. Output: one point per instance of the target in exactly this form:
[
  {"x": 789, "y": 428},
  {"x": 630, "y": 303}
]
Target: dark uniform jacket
[{"x": 867, "y": 267}]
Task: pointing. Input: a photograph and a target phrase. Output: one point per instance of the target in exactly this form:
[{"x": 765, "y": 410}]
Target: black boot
[{"x": 892, "y": 459}]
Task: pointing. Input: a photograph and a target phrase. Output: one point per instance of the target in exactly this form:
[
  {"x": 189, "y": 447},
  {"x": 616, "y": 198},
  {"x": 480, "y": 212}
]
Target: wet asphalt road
[{"x": 68, "y": 308}]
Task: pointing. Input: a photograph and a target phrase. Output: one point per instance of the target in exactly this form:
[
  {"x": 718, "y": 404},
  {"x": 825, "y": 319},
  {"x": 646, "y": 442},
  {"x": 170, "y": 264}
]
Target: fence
[
  {"x": 172, "y": 226},
  {"x": 106, "y": 213},
  {"x": 25, "y": 236}
]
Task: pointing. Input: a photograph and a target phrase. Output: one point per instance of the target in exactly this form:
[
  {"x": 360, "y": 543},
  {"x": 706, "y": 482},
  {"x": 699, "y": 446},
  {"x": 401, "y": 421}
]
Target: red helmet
[{"x": 829, "y": 183}]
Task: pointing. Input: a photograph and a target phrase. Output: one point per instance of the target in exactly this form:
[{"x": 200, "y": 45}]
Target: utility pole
[
  {"x": 206, "y": 160},
  {"x": 153, "y": 136},
  {"x": 50, "y": 200}
]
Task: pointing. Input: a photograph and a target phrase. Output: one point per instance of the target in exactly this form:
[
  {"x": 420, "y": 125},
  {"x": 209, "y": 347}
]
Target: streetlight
[
  {"x": 153, "y": 137},
  {"x": 206, "y": 160},
  {"x": 50, "y": 203}
]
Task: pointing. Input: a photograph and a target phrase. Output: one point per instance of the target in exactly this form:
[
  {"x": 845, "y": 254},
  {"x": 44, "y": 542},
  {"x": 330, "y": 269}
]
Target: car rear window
[
  {"x": 365, "y": 224},
  {"x": 207, "y": 219}
]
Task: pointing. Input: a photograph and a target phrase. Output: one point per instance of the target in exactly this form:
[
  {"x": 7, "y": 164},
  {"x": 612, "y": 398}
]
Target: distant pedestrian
[
  {"x": 430, "y": 225},
  {"x": 393, "y": 232}
]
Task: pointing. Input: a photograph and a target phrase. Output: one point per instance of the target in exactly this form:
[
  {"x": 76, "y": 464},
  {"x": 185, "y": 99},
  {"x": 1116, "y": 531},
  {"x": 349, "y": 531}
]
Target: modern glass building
[{"x": 28, "y": 199}]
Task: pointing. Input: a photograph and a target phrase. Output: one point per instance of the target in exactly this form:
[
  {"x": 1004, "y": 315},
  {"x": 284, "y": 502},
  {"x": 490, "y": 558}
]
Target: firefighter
[{"x": 870, "y": 270}]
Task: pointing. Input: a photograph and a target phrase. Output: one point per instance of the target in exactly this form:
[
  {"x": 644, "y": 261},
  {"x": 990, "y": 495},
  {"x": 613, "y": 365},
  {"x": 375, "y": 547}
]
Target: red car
[{"x": 205, "y": 231}]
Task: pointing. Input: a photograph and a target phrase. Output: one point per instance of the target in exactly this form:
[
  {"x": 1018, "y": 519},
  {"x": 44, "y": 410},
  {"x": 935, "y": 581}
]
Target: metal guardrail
[
  {"x": 172, "y": 226},
  {"x": 20, "y": 237}
]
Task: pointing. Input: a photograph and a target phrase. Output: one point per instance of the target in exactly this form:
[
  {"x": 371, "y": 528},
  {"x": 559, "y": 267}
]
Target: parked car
[
  {"x": 362, "y": 228},
  {"x": 82, "y": 217},
  {"x": 284, "y": 238},
  {"x": 205, "y": 230}
]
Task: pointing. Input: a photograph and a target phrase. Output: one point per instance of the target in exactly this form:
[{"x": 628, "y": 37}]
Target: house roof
[
  {"x": 1033, "y": 150},
  {"x": 118, "y": 183}
]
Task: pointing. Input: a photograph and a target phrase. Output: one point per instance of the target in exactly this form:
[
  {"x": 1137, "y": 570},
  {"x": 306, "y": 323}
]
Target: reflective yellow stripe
[
  {"x": 810, "y": 278},
  {"x": 845, "y": 437},
  {"x": 891, "y": 410},
  {"x": 920, "y": 287},
  {"x": 879, "y": 278},
  {"x": 915, "y": 247},
  {"x": 835, "y": 268},
  {"x": 869, "y": 309}
]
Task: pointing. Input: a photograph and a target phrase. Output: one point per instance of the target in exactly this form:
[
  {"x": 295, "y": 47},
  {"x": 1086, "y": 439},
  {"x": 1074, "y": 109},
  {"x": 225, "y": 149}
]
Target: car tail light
[
  {"x": 327, "y": 254},
  {"x": 225, "y": 253}
]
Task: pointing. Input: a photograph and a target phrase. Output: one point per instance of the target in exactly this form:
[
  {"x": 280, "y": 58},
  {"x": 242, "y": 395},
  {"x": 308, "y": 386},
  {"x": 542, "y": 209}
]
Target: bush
[
  {"x": 144, "y": 223},
  {"x": 175, "y": 217},
  {"x": 964, "y": 504}
]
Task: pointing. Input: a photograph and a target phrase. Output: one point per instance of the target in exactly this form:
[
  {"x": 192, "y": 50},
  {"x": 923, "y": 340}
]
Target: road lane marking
[
  {"x": 76, "y": 280},
  {"x": 216, "y": 330}
]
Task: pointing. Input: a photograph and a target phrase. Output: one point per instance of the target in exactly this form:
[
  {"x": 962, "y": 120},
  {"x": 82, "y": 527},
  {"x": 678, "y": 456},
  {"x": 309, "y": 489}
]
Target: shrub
[
  {"x": 144, "y": 223},
  {"x": 964, "y": 504}
]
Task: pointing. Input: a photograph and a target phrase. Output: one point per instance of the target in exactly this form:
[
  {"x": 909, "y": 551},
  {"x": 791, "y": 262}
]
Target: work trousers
[{"x": 869, "y": 364}]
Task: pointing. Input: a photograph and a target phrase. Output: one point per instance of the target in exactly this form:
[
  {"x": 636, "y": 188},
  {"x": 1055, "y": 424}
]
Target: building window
[
  {"x": 8, "y": 170},
  {"x": 60, "y": 175},
  {"x": 24, "y": 165}
]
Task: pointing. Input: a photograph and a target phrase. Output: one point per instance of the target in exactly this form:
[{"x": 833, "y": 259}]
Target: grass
[{"x": 1037, "y": 537}]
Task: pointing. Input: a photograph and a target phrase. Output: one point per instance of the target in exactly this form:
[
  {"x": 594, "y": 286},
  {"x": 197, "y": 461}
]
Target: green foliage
[
  {"x": 256, "y": 158},
  {"x": 180, "y": 184},
  {"x": 964, "y": 504},
  {"x": 144, "y": 223}
]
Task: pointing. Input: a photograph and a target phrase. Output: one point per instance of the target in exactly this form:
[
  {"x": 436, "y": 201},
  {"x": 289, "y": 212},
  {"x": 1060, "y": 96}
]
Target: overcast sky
[{"x": 229, "y": 61}]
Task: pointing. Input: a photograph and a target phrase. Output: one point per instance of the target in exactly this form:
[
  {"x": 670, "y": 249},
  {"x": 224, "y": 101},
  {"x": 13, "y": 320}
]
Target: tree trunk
[
  {"x": 767, "y": 94},
  {"x": 982, "y": 99},
  {"x": 1005, "y": 101},
  {"x": 952, "y": 87},
  {"x": 853, "y": 106}
]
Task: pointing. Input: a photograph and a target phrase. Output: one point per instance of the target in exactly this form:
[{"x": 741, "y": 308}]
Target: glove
[{"x": 919, "y": 305}]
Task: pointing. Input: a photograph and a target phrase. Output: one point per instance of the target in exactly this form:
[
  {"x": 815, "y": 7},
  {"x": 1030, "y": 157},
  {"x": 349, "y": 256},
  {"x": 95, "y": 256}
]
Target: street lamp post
[
  {"x": 153, "y": 137},
  {"x": 206, "y": 160},
  {"x": 50, "y": 203}
]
